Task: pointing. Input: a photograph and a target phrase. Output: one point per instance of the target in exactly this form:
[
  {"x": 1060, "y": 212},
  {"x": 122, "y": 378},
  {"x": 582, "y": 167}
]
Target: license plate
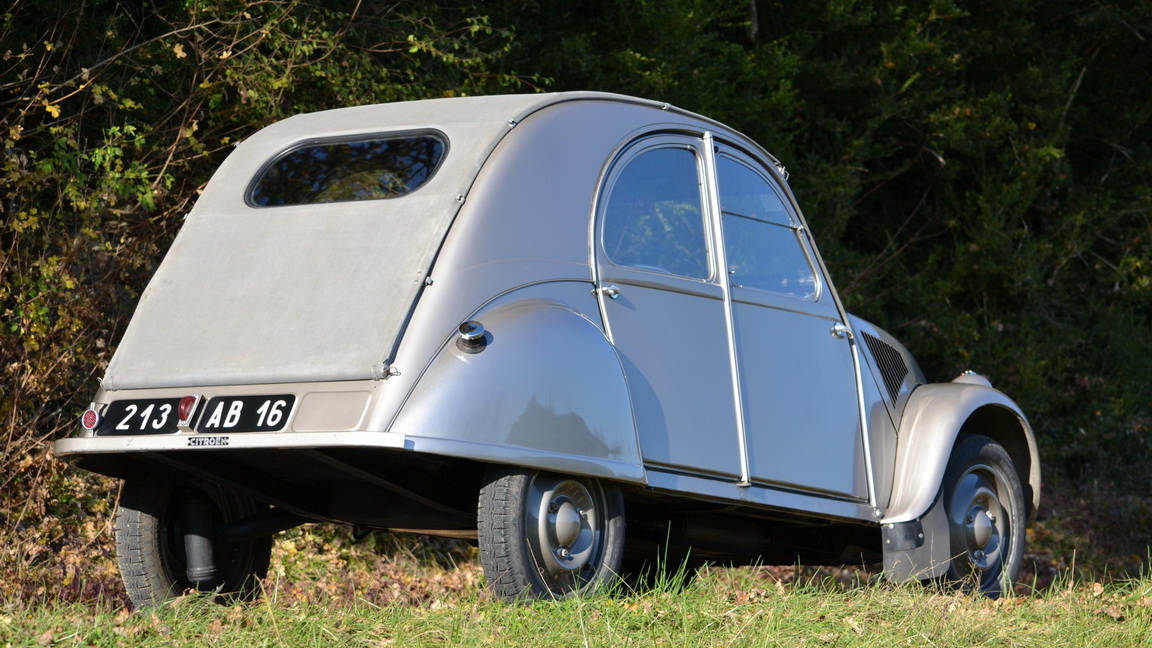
[
  {"x": 144, "y": 416},
  {"x": 245, "y": 413}
]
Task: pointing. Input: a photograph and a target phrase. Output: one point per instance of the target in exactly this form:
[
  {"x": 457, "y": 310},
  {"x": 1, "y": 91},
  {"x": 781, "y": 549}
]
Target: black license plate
[
  {"x": 245, "y": 413},
  {"x": 144, "y": 416}
]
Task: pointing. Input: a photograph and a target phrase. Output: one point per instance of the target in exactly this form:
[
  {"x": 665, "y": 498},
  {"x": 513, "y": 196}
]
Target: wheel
[
  {"x": 544, "y": 535},
  {"x": 159, "y": 521},
  {"x": 984, "y": 503}
]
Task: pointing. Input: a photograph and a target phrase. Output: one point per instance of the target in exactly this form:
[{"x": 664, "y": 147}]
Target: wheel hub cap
[
  {"x": 568, "y": 533},
  {"x": 979, "y": 528},
  {"x": 977, "y": 518},
  {"x": 566, "y": 524}
]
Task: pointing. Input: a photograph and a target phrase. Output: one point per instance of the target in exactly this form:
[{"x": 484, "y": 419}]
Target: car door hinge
[
  {"x": 840, "y": 330},
  {"x": 611, "y": 291}
]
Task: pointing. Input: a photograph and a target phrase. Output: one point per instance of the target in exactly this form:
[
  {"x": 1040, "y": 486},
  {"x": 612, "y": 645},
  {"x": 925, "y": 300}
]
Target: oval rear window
[{"x": 348, "y": 170}]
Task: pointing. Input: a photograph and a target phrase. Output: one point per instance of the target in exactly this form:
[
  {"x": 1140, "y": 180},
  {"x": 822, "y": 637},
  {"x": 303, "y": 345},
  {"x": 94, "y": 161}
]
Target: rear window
[{"x": 348, "y": 170}]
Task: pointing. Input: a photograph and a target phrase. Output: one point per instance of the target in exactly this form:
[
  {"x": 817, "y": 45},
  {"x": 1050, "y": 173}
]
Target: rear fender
[
  {"x": 546, "y": 391},
  {"x": 915, "y": 530}
]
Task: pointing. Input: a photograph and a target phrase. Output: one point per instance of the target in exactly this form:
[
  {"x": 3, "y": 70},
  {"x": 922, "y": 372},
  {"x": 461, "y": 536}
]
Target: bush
[{"x": 114, "y": 115}]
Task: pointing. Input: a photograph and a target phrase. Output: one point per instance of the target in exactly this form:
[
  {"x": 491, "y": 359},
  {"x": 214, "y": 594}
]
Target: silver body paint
[{"x": 691, "y": 389}]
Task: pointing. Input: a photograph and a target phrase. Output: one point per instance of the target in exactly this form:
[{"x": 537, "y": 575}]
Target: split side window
[
  {"x": 761, "y": 238},
  {"x": 654, "y": 216}
]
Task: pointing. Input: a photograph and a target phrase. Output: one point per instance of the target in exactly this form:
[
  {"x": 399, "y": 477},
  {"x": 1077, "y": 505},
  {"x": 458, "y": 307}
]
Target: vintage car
[{"x": 580, "y": 329}]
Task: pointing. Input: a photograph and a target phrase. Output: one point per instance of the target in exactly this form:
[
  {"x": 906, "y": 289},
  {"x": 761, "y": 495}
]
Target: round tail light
[{"x": 90, "y": 420}]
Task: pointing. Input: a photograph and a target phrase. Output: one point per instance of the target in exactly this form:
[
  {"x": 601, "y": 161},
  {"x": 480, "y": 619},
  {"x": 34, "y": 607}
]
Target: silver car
[{"x": 580, "y": 329}]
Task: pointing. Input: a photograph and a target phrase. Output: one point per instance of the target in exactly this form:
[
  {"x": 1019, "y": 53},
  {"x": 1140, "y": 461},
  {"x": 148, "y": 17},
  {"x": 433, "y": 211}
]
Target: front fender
[
  {"x": 933, "y": 418},
  {"x": 915, "y": 526},
  {"x": 547, "y": 391}
]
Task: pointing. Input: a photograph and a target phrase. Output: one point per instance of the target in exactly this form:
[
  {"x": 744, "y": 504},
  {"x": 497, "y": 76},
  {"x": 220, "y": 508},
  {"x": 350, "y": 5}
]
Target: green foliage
[
  {"x": 976, "y": 173},
  {"x": 112, "y": 115}
]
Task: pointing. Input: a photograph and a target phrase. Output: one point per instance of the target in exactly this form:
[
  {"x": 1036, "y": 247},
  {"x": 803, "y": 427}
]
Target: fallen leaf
[
  {"x": 1111, "y": 611},
  {"x": 852, "y": 624},
  {"x": 178, "y": 50}
]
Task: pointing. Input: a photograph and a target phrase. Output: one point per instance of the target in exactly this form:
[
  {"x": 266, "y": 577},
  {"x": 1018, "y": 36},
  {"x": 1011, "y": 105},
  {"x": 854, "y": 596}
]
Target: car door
[
  {"x": 796, "y": 370},
  {"x": 664, "y": 310}
]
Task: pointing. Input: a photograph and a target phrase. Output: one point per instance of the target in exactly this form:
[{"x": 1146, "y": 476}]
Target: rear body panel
[{"x": 251, "y": 295}]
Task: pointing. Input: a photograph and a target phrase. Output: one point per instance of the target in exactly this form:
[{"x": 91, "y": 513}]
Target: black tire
[
  {"x": 984, "y": 504},
  {"x": 544, "y": 535},
  {"x": 150, "y": 525}
]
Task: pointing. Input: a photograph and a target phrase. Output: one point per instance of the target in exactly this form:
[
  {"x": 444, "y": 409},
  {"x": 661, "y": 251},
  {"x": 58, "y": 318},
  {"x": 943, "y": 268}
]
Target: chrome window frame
[{"x": 632, "y": 150}]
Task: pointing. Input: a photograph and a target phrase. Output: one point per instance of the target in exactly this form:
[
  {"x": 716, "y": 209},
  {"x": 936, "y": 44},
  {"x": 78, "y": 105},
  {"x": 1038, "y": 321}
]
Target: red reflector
[
  {"x": 90, "y": 419},
  {"x": 186, "y": 408}
]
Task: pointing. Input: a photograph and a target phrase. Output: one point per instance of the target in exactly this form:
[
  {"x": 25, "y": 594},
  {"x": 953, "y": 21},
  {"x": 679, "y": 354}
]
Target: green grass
[{"x": 742, "y": 607}]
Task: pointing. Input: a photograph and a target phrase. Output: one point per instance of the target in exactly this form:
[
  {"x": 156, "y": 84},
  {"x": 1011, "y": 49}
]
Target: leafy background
[{"x": 978, "y": 174}]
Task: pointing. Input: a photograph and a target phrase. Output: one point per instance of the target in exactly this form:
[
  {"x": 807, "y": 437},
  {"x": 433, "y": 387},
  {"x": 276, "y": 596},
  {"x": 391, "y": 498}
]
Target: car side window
[
  {"x": 654, "y": 216},
  {"x": 761, "y": 240}
]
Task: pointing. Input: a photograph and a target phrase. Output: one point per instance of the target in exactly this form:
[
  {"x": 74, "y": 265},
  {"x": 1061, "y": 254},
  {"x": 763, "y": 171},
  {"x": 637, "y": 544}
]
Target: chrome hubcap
[
  {"x": 979, "y": 527},
  {"x": 567, "y": 537},
  {"x": 978, "y": 521},
  {"x": 565, "y": 523}
]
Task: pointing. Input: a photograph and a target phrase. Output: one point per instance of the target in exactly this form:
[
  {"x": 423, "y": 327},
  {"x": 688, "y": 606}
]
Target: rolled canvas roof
[{"x": 318, "y": 292}]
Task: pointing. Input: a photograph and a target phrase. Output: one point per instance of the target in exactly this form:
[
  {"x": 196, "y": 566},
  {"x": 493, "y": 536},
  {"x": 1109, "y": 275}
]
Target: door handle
[{"x": 611, "y": 291}]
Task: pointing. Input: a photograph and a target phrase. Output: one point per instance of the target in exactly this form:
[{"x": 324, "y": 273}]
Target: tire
[
  {"x": 984, "y": 504},
  {"x": 151, "y": 521},
  {"x": 544, "y": 535}
]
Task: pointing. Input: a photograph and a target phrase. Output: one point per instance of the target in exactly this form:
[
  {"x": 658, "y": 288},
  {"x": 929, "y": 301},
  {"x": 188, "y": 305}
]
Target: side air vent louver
[{"x": 892, "y": 367}]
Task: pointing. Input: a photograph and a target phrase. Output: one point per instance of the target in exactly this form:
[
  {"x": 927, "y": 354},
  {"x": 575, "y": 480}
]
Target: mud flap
[{"x": 919, "y": 549}]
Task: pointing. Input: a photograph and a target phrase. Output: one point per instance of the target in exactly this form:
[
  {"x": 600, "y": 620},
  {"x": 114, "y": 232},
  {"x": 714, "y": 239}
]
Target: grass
[{"x": 722, "y": 607}]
